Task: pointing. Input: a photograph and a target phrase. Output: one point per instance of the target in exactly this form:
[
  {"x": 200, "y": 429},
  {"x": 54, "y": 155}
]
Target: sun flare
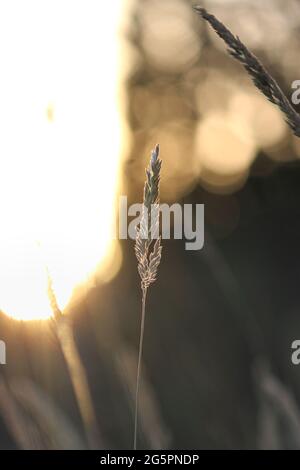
[{"x": 59, "y": 146}]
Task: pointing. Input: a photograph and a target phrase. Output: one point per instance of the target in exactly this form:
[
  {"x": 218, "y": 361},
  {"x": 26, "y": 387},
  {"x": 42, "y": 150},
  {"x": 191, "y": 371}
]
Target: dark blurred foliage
[{"x": 220, "y": 322}]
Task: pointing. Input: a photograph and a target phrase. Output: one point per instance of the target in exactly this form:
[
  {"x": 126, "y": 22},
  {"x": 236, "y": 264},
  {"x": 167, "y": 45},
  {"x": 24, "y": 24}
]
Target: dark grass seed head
[{"x": 259, "y": 75}]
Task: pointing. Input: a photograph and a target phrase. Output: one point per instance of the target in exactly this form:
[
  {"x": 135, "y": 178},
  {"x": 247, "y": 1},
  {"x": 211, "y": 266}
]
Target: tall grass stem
[
  {"x": 139, "y": 367},
  {"x": 76, "y": 370},
  {"x": 79, "y": 382},
  {"x": 148, "y": 253}
]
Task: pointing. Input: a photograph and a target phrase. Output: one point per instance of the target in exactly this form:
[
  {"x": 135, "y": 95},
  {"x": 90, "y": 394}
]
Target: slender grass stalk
[
  {"x": 144, "y": 294},
  {"x": 259, "y": 75},
  {"x": 148, "y": 254},
  {"x": 76, "y": 370}
]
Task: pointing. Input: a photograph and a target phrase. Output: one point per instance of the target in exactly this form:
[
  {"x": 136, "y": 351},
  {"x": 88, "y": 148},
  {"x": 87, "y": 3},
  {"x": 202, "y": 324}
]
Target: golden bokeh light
[
  {"x": 169, "y": 41},
  {"x": 59, "y": 147},
  {"x": 225, "y": 145},
  {"x": 264, "y": 121}
]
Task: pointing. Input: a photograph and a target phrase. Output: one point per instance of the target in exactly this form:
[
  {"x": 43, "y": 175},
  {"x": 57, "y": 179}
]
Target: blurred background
[{"x": 217, "y": 370}]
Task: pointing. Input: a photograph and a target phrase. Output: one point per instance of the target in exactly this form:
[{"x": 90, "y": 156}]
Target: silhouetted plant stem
[
  {"x": 148, "y": 253},
  {"x": 76, "y": 370},
  {"x": 79, "y": 382},
  {"x": 139, "y": 367}
]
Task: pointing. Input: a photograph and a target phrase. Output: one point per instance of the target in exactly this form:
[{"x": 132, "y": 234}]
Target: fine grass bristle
[{"x": 259, "y": 75}]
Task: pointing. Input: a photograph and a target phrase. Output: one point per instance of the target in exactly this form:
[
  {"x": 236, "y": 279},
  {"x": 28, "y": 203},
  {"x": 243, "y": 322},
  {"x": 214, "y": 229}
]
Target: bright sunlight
[{"x": 59, "y": 147}]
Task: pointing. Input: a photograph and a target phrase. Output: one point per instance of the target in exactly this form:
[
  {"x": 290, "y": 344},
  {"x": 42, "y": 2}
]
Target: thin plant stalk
[
  {"x": 76, "y": 370},
  {"x": 148, "y": 253},
  {"x": 139, "y": 367}
]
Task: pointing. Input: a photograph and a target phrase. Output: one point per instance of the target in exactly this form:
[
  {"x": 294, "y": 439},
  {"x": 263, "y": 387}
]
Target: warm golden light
[{"x": 59, "y": 146}]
